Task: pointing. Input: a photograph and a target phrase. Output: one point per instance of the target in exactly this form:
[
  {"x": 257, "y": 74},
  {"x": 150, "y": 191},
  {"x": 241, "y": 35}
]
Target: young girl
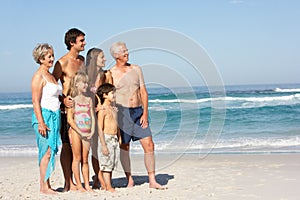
[
  {"x": 108, "y": 132},
  {"x": 82, "y": 121}
]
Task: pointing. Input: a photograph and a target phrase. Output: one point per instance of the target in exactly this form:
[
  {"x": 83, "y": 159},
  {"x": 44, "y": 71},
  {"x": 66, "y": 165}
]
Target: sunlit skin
[
  {"x": 65, "y": 68},
  {"x": 101, "y": 60},
  {"x": 37, "y": 84},
  {"x": 107, "y": 124},
  {"x": 132, "y": 96},
  {"x": 81, "y": 140}
]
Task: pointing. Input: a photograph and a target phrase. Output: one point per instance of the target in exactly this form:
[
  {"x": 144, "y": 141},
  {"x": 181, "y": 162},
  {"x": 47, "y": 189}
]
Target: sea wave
[
  {"x": 15, "y": 106},
  {"x": 287, "y": 90},
  {"x": 242, "y": 102},
  {"x": 234, "y": 145},
  {"x": 231, "y": 102},
  {"x": 257, "y": 102},
  {"x": 238, "y": 145},
  {"x": 18, "y": 150},
  {"x": 264, "y": 142}
]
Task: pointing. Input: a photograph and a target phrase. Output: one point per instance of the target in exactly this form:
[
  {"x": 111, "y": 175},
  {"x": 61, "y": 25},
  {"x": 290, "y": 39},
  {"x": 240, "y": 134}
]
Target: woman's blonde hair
[
  {"x": 79, "y": 76},
  {"x": 40, "y": 51}
]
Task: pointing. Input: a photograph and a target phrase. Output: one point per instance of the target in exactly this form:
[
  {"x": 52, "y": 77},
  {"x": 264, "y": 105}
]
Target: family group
[{"x": 80, "y": 104}]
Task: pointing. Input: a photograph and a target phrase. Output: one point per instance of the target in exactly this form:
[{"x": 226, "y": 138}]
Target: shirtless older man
[
  {"x": 64, "y": 69},
  {"x": 132, "y": 102}
]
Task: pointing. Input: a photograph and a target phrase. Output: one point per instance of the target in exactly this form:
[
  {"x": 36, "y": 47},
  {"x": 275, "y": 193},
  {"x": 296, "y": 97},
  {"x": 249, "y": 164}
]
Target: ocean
[{"x": 254, "y": 119}]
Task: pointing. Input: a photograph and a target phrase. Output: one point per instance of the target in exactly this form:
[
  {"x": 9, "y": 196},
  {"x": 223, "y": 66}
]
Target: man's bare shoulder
[
  {"x": 113, "y": 69},
  {"x": 135, "y": 67},
  {"x": 66, "y": 61},
  {"x": 63, "y": 61}
]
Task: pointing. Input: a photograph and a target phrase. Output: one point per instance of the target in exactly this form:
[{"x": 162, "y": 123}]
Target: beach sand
[{"x": 264, "y": 176}]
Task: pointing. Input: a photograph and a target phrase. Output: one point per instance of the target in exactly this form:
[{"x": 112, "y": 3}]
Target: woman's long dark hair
[{"x": 91, "y": 65}]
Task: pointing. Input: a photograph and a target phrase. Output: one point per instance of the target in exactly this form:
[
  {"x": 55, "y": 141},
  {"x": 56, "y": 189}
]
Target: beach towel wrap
[{"x": 52, "y": 139}]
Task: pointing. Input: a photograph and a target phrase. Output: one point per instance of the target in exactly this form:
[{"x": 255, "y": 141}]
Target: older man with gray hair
[{"x": 132, "y": 102}]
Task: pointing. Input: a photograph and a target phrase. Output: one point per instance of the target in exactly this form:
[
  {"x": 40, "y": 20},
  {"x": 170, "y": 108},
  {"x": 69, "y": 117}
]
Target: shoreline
[
  {"x": 19, "y": 150},
  {"x": 215, "y": 176}
]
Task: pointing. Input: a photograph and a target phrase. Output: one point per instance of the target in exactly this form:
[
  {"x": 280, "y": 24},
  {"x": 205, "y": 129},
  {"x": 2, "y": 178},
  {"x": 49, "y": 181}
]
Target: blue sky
[{"x": 250, "y": 41}]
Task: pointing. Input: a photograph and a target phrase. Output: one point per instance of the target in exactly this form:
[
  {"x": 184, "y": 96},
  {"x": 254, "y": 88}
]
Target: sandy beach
[{"x": 264, "y": 176}]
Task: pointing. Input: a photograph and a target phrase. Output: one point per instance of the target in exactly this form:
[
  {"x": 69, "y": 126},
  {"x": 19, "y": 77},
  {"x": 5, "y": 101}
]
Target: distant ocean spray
[{"x": 259, "y": 119}]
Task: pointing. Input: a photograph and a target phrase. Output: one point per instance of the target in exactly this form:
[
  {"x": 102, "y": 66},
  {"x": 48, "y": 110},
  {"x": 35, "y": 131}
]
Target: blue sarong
[{"x": 52, "y": 139}]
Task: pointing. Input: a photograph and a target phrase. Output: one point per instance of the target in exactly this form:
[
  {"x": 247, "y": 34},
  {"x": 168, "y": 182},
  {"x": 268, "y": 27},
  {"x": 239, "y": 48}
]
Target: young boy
[{"x": 108, "y": 132}]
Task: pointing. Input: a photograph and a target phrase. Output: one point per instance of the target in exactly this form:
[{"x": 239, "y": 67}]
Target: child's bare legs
[
  {"x": 85, "y": 166},
  {"x": 95, "y": 163},
  {"x": 45, "y": 185},
  {"x": 101, "y": 180},
  {"x": 98, "y": 175},
  {"x": 107, "y": 178},
  {"x": 76, "y": 149}
]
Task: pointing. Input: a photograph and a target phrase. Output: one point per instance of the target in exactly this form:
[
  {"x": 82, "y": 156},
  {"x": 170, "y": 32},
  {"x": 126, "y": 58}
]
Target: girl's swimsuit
[{"x": 83, "y": 117}]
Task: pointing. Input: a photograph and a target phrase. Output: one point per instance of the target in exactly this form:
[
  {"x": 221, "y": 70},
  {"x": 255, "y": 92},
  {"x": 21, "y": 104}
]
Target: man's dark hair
[{"x": 71, "y": 35}]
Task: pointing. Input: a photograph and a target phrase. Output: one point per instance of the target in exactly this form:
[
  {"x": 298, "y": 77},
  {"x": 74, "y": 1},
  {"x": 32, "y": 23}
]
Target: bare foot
[
  {"x": 102, "y": 188},
  {"x": 111, "y": 190},
  {"x": 49, "y": 191},
  {"x": 66, "y": 188},
  {"x": 130, "y": 182},
  {"x": 71, "y": 187},
  {"x": 102, "y": 185},
  {"x": 81, "y": 189},
  {"x": 157, "y": 186},
  {"x": 89, "y": 189}
]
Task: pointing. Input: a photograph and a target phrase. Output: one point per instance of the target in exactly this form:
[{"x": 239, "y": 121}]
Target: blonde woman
[{"x": 46, "y": 116}]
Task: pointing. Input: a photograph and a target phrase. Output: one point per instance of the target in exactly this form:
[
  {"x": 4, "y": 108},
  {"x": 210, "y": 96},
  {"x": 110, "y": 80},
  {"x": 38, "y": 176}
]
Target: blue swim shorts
[{"x": 130, "y": 126}]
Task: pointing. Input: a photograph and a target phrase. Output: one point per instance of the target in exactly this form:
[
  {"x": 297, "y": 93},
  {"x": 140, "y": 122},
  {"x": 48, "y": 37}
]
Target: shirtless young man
[
  {"x": 64, "y": 69},
  {"x": 132, "y": 102}
]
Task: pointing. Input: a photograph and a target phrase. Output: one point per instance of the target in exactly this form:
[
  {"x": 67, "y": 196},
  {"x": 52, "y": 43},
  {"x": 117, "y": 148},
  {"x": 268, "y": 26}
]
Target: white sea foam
[
  {"x": 264, "y": 142},
  {"x": 245, "y": 102},
  {"x": 240, "y": 102},
  {"x": 15, "y": 106},
  {"x": 287, "y": 90},
  {"x": 18, "y": 150},
  {"x": 228, "y": 98},
  {"x": 184, "y": 100},
  {"x": 238, "y": 145}
]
